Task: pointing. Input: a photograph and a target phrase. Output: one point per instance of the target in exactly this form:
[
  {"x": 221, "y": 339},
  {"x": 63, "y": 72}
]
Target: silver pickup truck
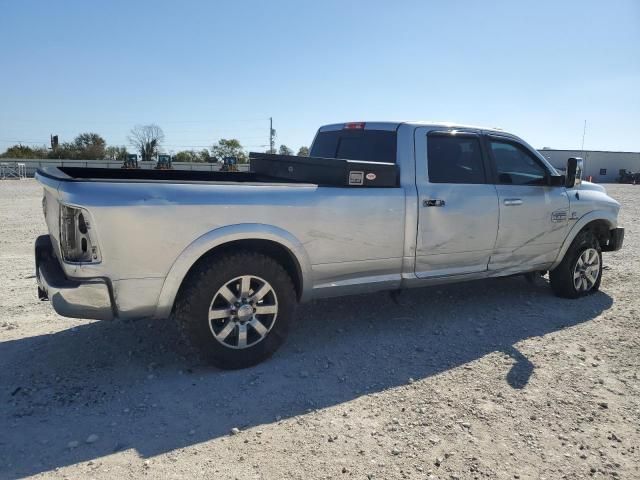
[{"x": 231, "y": 254}]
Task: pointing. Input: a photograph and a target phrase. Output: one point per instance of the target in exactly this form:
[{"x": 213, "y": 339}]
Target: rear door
[
  {"x": 458, "y": 204},
  {"x": 533, "y": 215}
]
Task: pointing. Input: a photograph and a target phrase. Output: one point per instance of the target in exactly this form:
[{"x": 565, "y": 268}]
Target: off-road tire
[
  {"x": 561, "y": 278},
  {"x": 194, "y": 302}
]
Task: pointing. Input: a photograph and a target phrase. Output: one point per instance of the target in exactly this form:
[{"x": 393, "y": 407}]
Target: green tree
[
  {"x": 147, "y": 140},
  {"x": 303, "y": 152},
  {"x": 192, "y": 156},
  {"x": 86, "y": 146},
  {"x": 117, "y": 154},
  {"x": 185, "y": 156},
  {"x": 65, "y": 150},
  {"x": 205, "y": 156},
  {"x": 89, "y": 146},
  {"x": 182, "y": 156},
  {"x": 22, "y": 151},
  {"x": 228, "y": 148},
  {"x": 284, "y": 150}
]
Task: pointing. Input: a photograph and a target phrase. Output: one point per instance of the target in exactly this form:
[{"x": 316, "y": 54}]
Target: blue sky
[{"x": 207, "y": 70}]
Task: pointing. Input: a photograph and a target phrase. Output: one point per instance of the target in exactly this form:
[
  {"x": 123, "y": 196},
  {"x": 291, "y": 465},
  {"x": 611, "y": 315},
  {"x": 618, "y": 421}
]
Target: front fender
[
  {"x": 210, "y": 240},
  {"x": 605, "y": 215}
]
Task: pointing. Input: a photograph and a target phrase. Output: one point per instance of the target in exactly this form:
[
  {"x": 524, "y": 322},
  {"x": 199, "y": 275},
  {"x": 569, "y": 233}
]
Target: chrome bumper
[{"x": 89, "y": 298}]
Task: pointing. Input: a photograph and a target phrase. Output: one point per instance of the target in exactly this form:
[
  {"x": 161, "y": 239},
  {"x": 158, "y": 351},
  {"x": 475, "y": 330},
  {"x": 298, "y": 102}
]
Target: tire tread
[
  {"x": 196, "y": 292},
  {"x": 561, "y": 277}
]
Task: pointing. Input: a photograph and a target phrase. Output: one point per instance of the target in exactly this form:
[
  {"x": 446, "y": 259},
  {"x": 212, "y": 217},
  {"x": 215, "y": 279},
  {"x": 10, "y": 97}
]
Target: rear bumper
[
  {"x": 90, "y": 298},
  {"x": 616, "y": 237}
]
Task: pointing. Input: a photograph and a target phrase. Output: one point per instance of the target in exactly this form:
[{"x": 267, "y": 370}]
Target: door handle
[
  {"x": 433, "y": 203},
  {"x": 512, "y": 201}
]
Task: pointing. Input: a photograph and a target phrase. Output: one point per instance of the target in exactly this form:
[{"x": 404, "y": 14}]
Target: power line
[
  {"x": 33, "y": 142},
  {"x": 138, "y": 122},
  {"x": 208, "y": 146},
  {"x": 203, "y": 145},
  {"x": 197, "y": 144}
]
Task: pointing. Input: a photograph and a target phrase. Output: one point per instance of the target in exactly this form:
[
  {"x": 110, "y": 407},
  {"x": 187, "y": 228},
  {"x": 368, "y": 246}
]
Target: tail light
[{"x": 77, "y": 240}]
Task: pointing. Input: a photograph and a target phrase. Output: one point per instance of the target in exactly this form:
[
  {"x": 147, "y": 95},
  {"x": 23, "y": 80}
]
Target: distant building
[{"x": 603, "y": 167}]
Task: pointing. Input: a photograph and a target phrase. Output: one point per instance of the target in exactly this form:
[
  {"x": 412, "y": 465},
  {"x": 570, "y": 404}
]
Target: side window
[
  {"x": 454, "y": 159},
  {"x": 516, "y": 166}
]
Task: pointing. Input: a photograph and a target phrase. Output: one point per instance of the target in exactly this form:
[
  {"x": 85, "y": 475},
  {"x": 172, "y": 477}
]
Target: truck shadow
[{"x": 136, "y": 387}]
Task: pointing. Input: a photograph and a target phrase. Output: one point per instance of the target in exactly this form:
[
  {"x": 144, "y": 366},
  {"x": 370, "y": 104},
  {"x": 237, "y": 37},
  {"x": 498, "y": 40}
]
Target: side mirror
[{"x": 575, "y": 166}]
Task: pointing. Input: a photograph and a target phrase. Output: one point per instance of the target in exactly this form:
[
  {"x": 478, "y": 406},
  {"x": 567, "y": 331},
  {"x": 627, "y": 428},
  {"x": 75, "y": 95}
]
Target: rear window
[{"x": 366, "y": 145}]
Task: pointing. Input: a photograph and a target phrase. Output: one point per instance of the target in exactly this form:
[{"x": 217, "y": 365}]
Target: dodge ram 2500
[{"x": 231, "y": 254}]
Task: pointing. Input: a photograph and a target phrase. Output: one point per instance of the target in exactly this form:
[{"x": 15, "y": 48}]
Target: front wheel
[
  {"x": 580, "y": 271},
  {"x": 236, "y": 309}
]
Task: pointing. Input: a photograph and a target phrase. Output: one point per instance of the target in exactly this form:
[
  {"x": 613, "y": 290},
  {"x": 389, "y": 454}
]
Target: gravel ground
[{"x": 492, "y": 379}]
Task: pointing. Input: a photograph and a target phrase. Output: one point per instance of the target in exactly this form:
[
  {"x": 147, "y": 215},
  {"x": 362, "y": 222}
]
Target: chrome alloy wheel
[
  {"x": 243, "y": 311},
  {"x": 586, "y": 271}
]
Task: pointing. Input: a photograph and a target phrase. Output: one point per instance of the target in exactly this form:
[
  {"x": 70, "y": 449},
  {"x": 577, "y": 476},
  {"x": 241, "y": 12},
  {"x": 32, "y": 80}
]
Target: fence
[
  {"x": 15, "y": 170},
  {"x": 29, "y": 166}
]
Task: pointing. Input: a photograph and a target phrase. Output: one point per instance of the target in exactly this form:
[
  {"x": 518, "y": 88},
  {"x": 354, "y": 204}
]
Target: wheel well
[
  {"x": 272, "y": 249},
  {"x": 600, "y": 228}
]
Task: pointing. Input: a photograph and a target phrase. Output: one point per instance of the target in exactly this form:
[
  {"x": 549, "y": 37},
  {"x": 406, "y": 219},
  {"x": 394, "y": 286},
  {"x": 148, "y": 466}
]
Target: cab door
[
  {"x": 533, "y": 214},
  {"x": 457, "y": 203}
]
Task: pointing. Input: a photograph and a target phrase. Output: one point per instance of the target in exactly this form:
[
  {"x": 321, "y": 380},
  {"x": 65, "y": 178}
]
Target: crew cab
[{"x": 231, "y": 254}]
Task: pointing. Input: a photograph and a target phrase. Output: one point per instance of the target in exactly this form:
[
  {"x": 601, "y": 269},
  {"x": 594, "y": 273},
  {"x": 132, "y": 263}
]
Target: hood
[{"x": 591, "y": 186}]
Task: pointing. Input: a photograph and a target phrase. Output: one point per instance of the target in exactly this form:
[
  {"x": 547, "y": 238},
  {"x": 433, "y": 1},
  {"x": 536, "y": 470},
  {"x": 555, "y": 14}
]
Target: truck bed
[
  {"x": 265, "y": 168},
  {"x": 80, "y": 174}
]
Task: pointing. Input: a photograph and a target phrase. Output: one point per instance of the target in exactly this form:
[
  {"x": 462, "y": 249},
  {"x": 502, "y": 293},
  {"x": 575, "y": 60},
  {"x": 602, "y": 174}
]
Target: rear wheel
[
  {"x": 236, "y": 309},
  {"x": 580, "y": 271}
]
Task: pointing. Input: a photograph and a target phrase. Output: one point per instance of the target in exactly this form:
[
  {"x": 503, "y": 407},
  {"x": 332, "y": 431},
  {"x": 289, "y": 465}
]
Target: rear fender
[{"x": 246, "y": 231}]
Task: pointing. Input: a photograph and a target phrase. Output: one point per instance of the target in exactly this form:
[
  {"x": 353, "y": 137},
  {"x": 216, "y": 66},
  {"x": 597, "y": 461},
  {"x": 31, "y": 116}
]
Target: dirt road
[{"x": 494, "y": 379}]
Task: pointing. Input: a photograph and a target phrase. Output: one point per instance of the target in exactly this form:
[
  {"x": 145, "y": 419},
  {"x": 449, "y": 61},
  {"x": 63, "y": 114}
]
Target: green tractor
[
  {"x": 164, "y": 163},
  {"x": 131, "y": 162},
  {"x": 229, "y": 164}
]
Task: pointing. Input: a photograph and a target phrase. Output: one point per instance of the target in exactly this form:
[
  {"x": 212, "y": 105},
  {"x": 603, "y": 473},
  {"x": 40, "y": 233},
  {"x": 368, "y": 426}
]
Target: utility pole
[
  {"x": 272, "y": 136},
  {"x": 584, "y": 132}
]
